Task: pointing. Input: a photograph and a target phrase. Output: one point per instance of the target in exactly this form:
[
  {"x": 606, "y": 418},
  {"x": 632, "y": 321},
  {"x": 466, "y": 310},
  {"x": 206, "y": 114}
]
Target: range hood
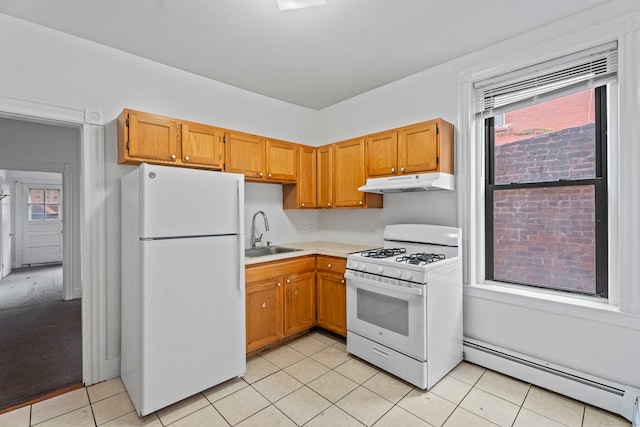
[{"x": 407, "y": 183}]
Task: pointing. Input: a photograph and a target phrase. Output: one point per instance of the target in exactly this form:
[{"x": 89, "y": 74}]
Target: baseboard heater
[{"x": 608, "y": 395}]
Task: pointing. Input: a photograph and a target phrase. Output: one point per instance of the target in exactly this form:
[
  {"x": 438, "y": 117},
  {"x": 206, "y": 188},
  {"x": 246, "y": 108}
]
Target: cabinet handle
[
  {"x": 186, "y": 158},
  {"x": 279, "y": 284},
  {"x": 288, "y": 281},
  {"x": 401, "y": 169},
  {"x": 393, "y": 170},
  {"x": 302, "y": 204},
  {"x": 264, "y": 305},
  {"x": 360, "y": 202},
  {"x": 328, "y": 205},
  {"x": 260, "y": 174},
  {"x": 328, "y": 265},
  {"x": 173, "y": 156},
  {"x": 269, "y": 175},
  {"x": 342, "y": 281}
]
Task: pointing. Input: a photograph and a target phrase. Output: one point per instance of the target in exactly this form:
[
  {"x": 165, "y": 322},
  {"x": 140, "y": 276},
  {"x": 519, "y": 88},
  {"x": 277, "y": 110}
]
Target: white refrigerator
[{"x": 183, "y": 305}]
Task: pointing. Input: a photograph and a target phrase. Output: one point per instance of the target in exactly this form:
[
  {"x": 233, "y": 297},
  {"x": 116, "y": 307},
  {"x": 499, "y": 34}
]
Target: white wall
[
  {"x": 285, "y": 226},
  {"x": 596, "y": 339}
]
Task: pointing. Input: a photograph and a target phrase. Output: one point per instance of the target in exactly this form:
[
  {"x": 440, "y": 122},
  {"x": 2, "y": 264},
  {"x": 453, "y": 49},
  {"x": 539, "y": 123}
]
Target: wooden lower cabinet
[
  {"x": 299, "y": 302},
  {"x": 264, "y": 314},
  {"x": 286, "y": 297},
  {"x": 332, "y": 294},
  {"x": 280, "y": 300}
]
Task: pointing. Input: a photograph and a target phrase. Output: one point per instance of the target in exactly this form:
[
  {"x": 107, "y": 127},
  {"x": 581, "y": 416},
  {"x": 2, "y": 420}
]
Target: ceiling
[{"x": 313, "y": 57}]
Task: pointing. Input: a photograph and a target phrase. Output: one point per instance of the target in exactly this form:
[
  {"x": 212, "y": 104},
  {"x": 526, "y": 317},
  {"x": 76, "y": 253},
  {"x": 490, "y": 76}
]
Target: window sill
[{"x": 581, "y": 307}]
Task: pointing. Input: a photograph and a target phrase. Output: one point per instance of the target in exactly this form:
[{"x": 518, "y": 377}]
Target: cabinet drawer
[
  {"x": 332, "y": 264},
  {"x": 277, "y": 269}
]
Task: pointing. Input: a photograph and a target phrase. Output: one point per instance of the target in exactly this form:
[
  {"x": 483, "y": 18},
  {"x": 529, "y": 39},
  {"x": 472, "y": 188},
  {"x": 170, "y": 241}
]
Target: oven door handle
[{"x": 411, "y": 291}]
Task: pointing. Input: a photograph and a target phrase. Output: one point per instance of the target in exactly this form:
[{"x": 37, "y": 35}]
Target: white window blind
[{"x": 542, "y": 82}]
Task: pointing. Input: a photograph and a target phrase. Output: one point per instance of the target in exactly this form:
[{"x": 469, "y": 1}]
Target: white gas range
[{"x": 404, "y": 303}]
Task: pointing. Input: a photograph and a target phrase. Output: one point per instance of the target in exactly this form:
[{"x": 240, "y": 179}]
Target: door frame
[{"x": 84, "y": 263}]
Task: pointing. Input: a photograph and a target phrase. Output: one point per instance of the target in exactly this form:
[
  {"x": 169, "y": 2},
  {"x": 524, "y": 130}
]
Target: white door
[
  {"x": 5, "y": 231},
  {"x": 42, "y": 223}
]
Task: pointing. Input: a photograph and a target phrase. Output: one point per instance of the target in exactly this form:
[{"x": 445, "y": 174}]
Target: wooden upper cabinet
[
  {"x": 382, "y": 153},
  {"x": 303, "y": 194},
  {"x": 324, "y": 179},
  {"x": 419, "y": 148},
  {"x": 244, "y": 153},
  {"x": 426, "y": 147},
  {"x": 202, "y": 145},
  {"x": 148, "y": 137},
  {"x": 349, "y": 173},
  {"x": 281, "y": 160}
]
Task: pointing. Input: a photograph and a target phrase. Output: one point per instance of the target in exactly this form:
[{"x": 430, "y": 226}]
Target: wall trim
[{"x": 86, "y": 260}]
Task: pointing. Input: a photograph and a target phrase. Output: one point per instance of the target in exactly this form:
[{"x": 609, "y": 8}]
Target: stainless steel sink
[{"x": 271, "y": 250}]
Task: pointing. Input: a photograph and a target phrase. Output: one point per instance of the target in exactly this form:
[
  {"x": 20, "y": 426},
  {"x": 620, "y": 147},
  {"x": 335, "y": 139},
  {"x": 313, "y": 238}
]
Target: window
[
  {"x": 43, "y": 204},
  {"x": 545, "y": 181}
]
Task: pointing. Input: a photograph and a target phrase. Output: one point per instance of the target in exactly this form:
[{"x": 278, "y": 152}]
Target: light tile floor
[{"x": 313, "y": 381}]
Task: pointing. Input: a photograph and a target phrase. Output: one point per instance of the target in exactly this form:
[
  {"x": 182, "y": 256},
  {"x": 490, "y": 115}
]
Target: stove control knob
[
  {"x": 362, "y": 266},
  {"x": 379, "y": 270},
  {"x": 352, "y": 264},
  {"x": 397, "y": 273},
  {"x": 407, "y": 275}
]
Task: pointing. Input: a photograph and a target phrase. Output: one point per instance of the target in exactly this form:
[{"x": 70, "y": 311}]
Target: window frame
[{"x": 599, "y": 182}]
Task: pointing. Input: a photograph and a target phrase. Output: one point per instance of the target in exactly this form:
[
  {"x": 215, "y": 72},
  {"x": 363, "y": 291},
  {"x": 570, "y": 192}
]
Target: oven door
[{"x": 389, "y": 315}]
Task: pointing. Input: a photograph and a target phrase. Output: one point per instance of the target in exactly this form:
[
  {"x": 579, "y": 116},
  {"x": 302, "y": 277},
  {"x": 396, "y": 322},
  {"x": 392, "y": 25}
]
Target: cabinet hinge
[
  {"x": 437, "y": 160},
  {"x": 437, "y": 130},
  {"x": 127, "y": 145},
  {"x": 224, "y": 166},
  {"x": 127, "y": 123},
  {"x": 224, "y": 139}
]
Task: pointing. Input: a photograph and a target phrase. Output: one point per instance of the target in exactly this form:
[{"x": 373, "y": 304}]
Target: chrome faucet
[{"x": 255, "y": 239}]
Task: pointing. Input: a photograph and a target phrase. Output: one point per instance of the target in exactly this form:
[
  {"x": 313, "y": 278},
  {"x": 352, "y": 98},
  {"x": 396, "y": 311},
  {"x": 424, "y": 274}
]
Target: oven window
[{"x": 383, "y": 311}]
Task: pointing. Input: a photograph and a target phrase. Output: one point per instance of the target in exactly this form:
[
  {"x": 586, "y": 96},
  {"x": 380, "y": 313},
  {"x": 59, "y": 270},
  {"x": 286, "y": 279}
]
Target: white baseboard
[{"x": 608, "y": 395}]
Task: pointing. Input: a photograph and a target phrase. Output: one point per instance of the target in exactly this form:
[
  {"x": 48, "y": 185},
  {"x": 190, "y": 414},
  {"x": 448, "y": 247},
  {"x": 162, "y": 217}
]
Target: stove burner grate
[
  {"x": 421, "y": 258},
  {"x": 383, "y": 252}
]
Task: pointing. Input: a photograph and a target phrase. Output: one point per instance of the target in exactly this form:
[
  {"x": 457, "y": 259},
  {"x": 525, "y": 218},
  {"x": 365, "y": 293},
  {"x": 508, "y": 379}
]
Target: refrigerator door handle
[{"x": 240, "y": 217}]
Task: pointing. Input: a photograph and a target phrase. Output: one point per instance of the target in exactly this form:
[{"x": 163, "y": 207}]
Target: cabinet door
[
  {"x": 152, "y": 137},
  {"x": 244, "y": 153},
  {"x": 264, "y": 317},
  {"x": 202, "y": 145},
  {"x": 325, "y": 176},
  {"x": 306, "y": 187},
  {"x": 349, "y": 173},
  {"x": 332, "y": 302},
  {"x": 382, "y": 154},
  {"x": 299, "y": 302},
  {"x": 418, "y": 148},
  {"x": 281, "y": 160}
]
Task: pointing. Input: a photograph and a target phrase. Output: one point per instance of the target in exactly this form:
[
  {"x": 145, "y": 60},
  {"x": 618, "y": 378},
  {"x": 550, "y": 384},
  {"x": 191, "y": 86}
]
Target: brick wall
[{"x": 546, "y": 235}]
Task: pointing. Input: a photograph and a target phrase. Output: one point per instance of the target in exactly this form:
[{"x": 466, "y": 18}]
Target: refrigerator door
[
  {"x": 189, "y": 202},
  {"x": 192, "y": 317}
]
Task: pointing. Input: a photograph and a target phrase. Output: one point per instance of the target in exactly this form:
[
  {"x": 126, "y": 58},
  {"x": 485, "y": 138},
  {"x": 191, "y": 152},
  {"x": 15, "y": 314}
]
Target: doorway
[
  {"x": 40, "y": 314},
  {"x": 83, "y": 170}
]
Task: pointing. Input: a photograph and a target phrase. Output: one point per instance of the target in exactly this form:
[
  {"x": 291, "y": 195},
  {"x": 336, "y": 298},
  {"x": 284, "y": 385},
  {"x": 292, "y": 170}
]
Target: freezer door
[
  {"x": 193, "y": 317},
  {"x": 189, "y": 202}
]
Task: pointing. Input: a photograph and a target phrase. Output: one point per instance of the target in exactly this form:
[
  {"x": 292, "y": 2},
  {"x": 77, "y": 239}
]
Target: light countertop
[{"x": 313, "y": 248}]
